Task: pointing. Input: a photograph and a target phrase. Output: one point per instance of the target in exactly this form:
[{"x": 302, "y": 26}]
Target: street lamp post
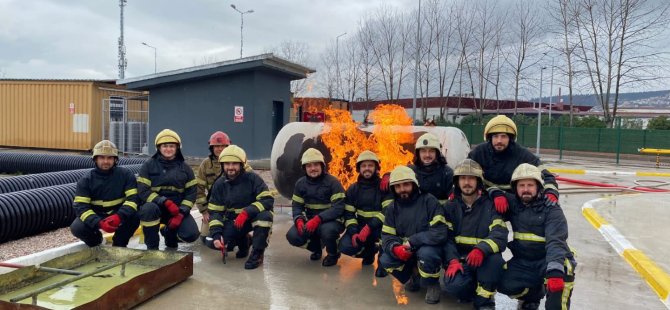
[
  {"x": 539, "y": 116},
  {"x": 241, "y": 25},
  {"x": 337, "y": 63},
  {"x": 551, "y": 89},
  {"x": 147, "y": 45}
]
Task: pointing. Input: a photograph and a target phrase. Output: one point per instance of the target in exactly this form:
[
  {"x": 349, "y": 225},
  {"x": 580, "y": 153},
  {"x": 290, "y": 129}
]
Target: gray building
[{"x": 247, "y": 98}]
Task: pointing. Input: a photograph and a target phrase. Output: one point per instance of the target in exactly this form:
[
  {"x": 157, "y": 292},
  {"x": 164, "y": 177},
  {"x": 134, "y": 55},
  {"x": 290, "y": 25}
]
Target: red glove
[
  {"x": 364, "y": 234},
  {"x": 171, "y": 207},
  {"x": 552, "y": 197},
  {"x": 354, "y": 240},
  {"x": 475, "y": 258},
  {"x": 175, "y": 221},
  {"x": 384, "y": 185},
  {"x": 110, "y": 224},
  {"x": 300, "y": 226},
  {"x": 402, "y": 253},
  {"x": 555, "y": 284},
  {"x": 501, "y": 204},
  {"x": 453, "y": 268},
  {"x": 451, "y": 196},
  {"x": 241, "y": 219},
  {"x": 313, "y": 224}
]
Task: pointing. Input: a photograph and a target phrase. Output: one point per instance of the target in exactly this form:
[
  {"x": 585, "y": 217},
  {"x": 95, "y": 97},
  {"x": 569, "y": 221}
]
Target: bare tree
[
  {"x": 616, "y": 39},
  {"x": 524, "y": 31},
  {"x": 366, "y": 38},
  {"x": 561, "y": 13},
  {"x": 298, "y": 52}
]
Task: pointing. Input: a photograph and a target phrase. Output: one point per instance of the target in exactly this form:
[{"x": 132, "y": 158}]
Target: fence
[
  {"x": 602, "y": 140},
  {"x": 125, "y": 122}
]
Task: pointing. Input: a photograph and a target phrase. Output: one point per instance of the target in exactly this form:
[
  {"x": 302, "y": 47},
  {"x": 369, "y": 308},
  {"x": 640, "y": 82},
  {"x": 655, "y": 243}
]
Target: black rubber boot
[
  {"x": 255, "y": 260},
  {"x": 243, "y": 247},
  {"x": 368, "y": 260},
  {"x": 330, "y": 260},
  {"x": 413, "y": 284},
  {"x": 433, "y": 294},
  {"x": 380, "y": 272},
  {"x": 315, "y": 255},
  {"x": 528, "y": 305},
  {"x": 151, "y": 238},
  {"x": 171, "y": 241}
]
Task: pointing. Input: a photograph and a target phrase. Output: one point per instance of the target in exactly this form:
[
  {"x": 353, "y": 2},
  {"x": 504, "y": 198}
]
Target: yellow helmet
[
  {"x": 367, "y": 155},
  {"x": 167, "y": 136},
  {"x": 402, "y": 174},
  {"x": 312, "y": 155},
  {"x": 469, "y": 167},
  {"x": 105, "y": 148},
  {"x": 527, "y": 171},
  {"x": 500, "y": 124},
  {"x": 233, "y": 154},
  {"x": 428, "y": 140}
]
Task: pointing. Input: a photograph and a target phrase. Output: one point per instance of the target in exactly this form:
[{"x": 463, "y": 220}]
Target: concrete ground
[{"x": 289, "y": 280}]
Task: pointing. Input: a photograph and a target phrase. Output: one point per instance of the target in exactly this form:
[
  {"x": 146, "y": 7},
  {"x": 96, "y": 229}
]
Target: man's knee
[
  {"x": 188, "y": 231},
  {"x": 330, "y": 231},
  {"x": 294, "y": 238},
  {"x": 346, "y": 246},
  {"x": 461, "y": 285},
  {"x": 149, "y": 214},
  {"x": 430, "y": 255}
]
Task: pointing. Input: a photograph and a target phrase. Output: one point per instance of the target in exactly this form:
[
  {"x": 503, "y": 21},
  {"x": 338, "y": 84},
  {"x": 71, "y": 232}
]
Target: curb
[
  {"x": 611, "y": 172},
  {"x": 657, "y": 279}
]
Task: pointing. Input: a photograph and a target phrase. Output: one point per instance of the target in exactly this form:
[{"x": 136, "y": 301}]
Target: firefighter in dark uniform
[
  {"x": 240, "y": 203},
  {"x": 317, "y": 207},
  {"x": 167, "y": 186},
  {"x": 414, "y": 233},
  {"x": 541, "y": 258},
  {"x": 208, "y": 171},
  {"x": 106, "y": 198},
  {"x": 430, "y": 166},
  {"x": 475, "y": 262},
  {"x": 500, "y": 155},
  {"x": 364, "y": 212}
]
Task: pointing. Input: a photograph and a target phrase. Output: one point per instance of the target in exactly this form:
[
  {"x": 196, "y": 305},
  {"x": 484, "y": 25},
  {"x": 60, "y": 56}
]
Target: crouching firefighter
[
  {"x": 414, "y": 233},
  {"x": 167, "y": 186},
  {"x": 317, "y": 208},
  {"x": 106, "y": 198},
  {"x": 240, "y": 203},
  {"x": 475, "y": 259},
  {"x": 363, "y": 212},
  {"x": 541, "y": 256},
  {"x": 208, "y": 171}
]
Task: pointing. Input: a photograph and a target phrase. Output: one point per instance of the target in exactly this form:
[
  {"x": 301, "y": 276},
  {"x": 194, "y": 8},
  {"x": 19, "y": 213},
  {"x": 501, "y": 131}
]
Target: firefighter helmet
[
  {"x": 527, "y": 171},
  {"x": 500, "y": 124},
  {"x": 428, "y": 140},
  {"x": 219, "y": 138},
  {"x": 469, "y": 167},
  {"x": 167, "y": 136},
  {"x": 233, "y": 154},
  {"x": 312, "y": 155},
  {"x": 402, "y": 174},
  {"x": 367, "y": 155},
  {"x": 105, "y": 148}
]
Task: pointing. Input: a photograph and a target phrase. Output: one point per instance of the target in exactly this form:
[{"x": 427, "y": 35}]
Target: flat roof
[{"x": 266, "y": 61}]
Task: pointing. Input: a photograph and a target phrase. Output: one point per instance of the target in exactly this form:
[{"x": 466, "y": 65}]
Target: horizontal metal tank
[{"x": 296, "y": 137}]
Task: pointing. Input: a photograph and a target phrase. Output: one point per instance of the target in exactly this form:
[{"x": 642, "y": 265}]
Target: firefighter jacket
[
  {"x": 420, "y": 219},
  {"x": 101, "y": 193},
  {"x": 322, "y": 196},
  {"x": 436, "y": 179},
  {"x": 247, "y": 192},
  {"x": 365, "y": 204},
  {"x": 478, "y": 226},
  {"x": 499, "y": 166},
  {"x": 209, "y": 170},
  {"x": 161, "y": 179},
  {"x": 540, "y": 232}
]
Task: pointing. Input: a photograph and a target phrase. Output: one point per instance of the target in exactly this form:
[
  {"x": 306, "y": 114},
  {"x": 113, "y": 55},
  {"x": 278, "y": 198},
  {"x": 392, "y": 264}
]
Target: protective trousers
[
  {"x": 524, "y": 280},
  {"x": 477, "y": 284},
  {"x": 326, "y": 234},
  {"x": 93, "y": 237},
  {"x": 261, "y": 227},
  {"x": 151, "y": 216},
  {"x": 428, "y": 259},
  {"x": 364, "y": 249}
]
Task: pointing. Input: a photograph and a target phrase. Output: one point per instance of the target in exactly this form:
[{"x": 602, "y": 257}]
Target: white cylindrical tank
[{"x": 296, "y": 137}]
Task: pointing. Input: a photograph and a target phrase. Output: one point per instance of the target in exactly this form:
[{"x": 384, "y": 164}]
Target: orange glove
[
  {"x": 453, "y": 268},
  {"x": 175, "y": 221},
  {"x": 555, "y": 284},
  {"x": 313, "y": 224},
  {"x": 402, "y": 253},
  {"x": 475, "y": 258},
  {"x": 241, "y": 219}
]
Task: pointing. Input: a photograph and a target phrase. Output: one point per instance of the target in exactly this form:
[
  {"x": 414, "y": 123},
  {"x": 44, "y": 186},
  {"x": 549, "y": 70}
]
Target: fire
[{"x": 345, "y": 140}]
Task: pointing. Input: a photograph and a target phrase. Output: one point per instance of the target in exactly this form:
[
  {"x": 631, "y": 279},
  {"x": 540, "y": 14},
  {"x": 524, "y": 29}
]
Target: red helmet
[{"x": 219, "y": 138}]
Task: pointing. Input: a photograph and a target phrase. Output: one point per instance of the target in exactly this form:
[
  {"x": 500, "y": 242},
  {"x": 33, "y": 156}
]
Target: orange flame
[{"x": 346, "y": 141}]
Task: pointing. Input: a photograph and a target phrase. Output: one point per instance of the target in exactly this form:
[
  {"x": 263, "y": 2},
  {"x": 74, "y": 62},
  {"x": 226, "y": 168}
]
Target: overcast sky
[{"x": 78, "y": 38}]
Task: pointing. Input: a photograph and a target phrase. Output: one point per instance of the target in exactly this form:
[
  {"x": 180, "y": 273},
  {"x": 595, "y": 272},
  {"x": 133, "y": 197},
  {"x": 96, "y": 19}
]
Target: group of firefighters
[{"x": 416, "y": 220}]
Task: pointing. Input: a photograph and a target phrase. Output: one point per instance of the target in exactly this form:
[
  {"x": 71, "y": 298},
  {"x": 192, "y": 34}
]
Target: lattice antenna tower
[{"x": 123, "y": 61}]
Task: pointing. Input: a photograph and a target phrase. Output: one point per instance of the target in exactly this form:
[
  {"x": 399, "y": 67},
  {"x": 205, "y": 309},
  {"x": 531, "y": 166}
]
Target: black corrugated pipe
[
  {"x": 27, "y": 213},
  {"x": 27, "y": 163},
  {"x": 39, "y": 180}
]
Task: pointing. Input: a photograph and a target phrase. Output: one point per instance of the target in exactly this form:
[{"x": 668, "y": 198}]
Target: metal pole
[
  {"x": 241, "y": 25},
  {"x": 416, "y": 56},
  {"x": 539, "y": 117},
  {"x": 145, "y": 44},
  {"x": 551, "y": 89},
  {"x": 337, "y": 64}
]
